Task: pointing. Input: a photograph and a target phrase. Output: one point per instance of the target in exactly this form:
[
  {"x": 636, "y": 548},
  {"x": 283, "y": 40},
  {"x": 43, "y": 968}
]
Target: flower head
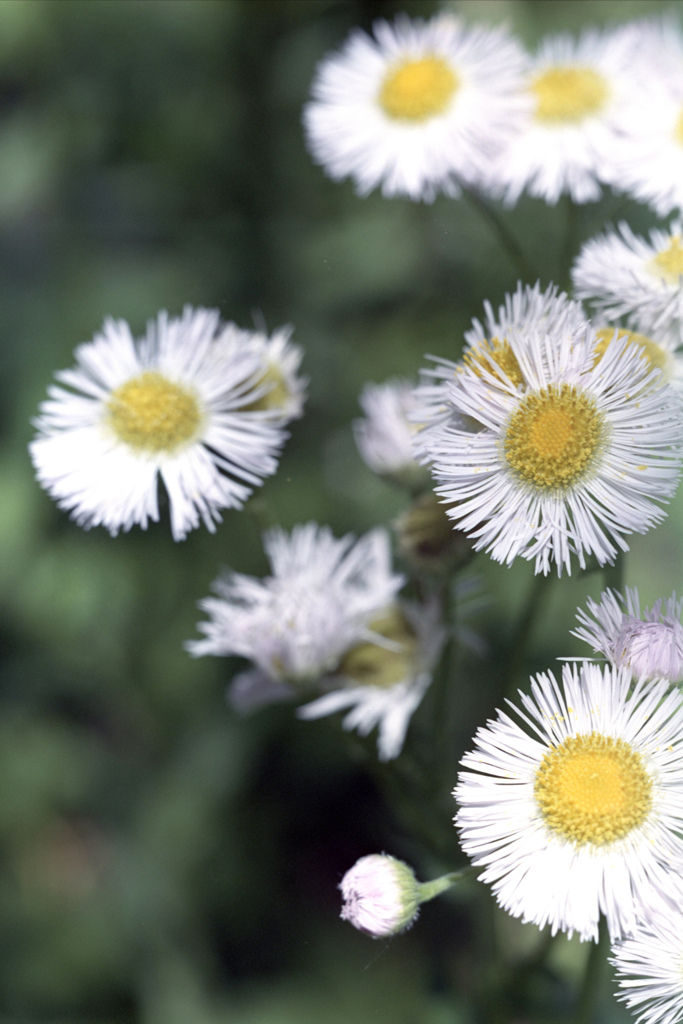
[
  {"x": 384, "y": 436},
  {"x": 180, "y": 405},
  {"x": 623, "y": 275},
  {"x": 383, "y": 679},
  {"x": 296, "y": 624},
  {"x": 649, "y": 967},
  {"x": 579, "y": 813},
  {"x": 576, "y": 90},
  {"x": 648, "y": 645},
  {"x": 569, "y": 462},
  {"x": 416, "y": 109},
  {"x": 381, "y": 895}
]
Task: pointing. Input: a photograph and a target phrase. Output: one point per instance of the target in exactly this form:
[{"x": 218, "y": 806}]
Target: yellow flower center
[
  {"x": 369, "y": 664},
  {"x": 553, "y": 437},
  {"x": 657, "y": 356},
  {"x": 152, "y": 414},
  {"x": 276, "y": 397},
  {"x": 593, "y": 789},
  {"x": 668, "y": 263},
  {"x": 479, "y": 358},
  {"x": 678, "y": 130},
  {"x": 416, "y": 90},
  {"x": 568, "y": 95}
]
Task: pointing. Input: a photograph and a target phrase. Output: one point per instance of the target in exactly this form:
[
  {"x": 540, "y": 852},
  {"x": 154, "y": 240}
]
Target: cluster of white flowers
[{"x": 422, "y": 107}]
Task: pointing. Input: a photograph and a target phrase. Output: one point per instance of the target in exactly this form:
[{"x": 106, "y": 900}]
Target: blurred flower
[
  {"x": 488, "y": 352},
  {"x": 381, "y": 895},
  {"x": 621, "y": 274},
  {"x": 418, "y": 108},
  {"x": 576, "y": 89},
  {"x": 296, "y": 624},
  {"x": 384, "y": 437},
  {"x": 646, "y": 160},
  {"x": 581, "y": 814},
  {"x": 648, "y": 967},
  {"x": 648, "y": 645},
  {"x": 384, "y": 678},
  {"x": 426, "y": 538},
  {"x": 181, "y": 404},
  {"x": 281, "y": 392},
  {"x": 567, "y": 466}
]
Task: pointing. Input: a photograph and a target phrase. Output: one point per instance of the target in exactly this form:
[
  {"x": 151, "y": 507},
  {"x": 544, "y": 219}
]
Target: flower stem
[
  {"x": 505, "y": 236},
  {"x": 428, "y": 890},
  {"x": 593, "y": 975}
]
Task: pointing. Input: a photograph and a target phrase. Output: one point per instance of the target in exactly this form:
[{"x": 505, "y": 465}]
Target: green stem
[
  {"x": 523, "y": 629},
  {"x": 592, "y": 976},
  {"x": 505, "y": 236},
  {"x": 428, "y": 890},
  {"x": 570, "y": 243}
]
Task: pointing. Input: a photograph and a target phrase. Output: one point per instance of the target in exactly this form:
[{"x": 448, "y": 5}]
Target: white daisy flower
[
  {"x": 646, "y": 159},
  {"x": 578, "y": 813},
  {"x": 385, "y": 435},
  {"x": 649, "y": 967},
  {"x": 569, "y": 466},
  {"x": 487, "y": 351},
  {"x": 650, "y": 644},
  {"x": 180, "y": 405},
  {"x": 576, "y": 90},
  {"x": 416, "y": 109},
  {"x": 383, "y": 680},
  {"x": 623, "y": 275},
  {"x": 660, "y": 352},
  {"x": 296, "y": 624},
  {"x": 281, "y": 391}
]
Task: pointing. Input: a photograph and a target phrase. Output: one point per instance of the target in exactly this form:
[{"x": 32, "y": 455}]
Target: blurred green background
[{"x": 163, "y": 861}]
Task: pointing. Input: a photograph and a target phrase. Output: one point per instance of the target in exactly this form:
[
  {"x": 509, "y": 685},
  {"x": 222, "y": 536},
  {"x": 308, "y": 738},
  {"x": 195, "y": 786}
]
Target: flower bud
[
  {"x": 427, "y": 538},
  {"x": 381, "y": 895}
]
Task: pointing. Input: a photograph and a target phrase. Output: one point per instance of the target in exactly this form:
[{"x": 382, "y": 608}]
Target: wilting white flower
[
  {"x": 567, "y": 465},
  {"x": 180, "y": 405},
  {"x": 381, "y": 895},
  {"x": 623, "y": 275},
  {"x": 578, "y": 811},
  {"x": 649, "y": 967},
  {"x": 385, "y": 435},
  {"x": 576, "y": 89},
  {"x": 383, "y": 680},
  {"x": 418, "y": 108},
  {"x": 649, "y": 645},
  {"x": 525, "y": 313},
  {"x": 296, "y": 624}
]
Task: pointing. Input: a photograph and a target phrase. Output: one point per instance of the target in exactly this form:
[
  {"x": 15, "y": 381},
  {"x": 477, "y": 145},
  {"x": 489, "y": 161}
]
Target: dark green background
[{"x": 161, "y": 860}]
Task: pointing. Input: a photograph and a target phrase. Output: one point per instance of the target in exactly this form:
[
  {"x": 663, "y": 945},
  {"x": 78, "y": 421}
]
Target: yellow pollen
[
  {"x": 371, "y": 665},
  {"x": 152, "y": 414},
  {"x": 654, "y": 353},
  {"x": 276, "y": 397},
  {"x": 678, "y": 131},
  {"x": 479, "y": 358},
  {"x": 668, "y": 263},
  {"x": 593, "y": 789},
  {"x": 416, "y": 90},
  {"x": 566, "y": 95},
  {"x": 553, "y": 437}
]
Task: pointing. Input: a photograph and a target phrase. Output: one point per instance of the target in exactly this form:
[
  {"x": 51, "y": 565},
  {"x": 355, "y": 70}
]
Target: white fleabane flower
[
  {"x": 385, "y": 435},
  {"x": 416, "y": 109},
  {"x": 383, "y": 680},
  {"x": 525, "y": 313},
  {"x": 661, "y": 352},
  {"x": 567, "y": 467},
  {"x": 175, "y": 406},
  {"x": 381, "y": 895},
  {"x": 576, "y": 89},
  {"x": 650, "y": 644},
  {"x": 623, "y": 275},
  {"x": 578, "y": 812},
  {"x": 281, "y": 391},
  {"x": 646, "y": 160},
  {"x": 649, "y": 967},
  {"x": 296, "y": 624}
]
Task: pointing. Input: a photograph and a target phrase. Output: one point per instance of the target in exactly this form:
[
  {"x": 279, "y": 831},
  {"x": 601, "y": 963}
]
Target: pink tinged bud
[{"x": 381, "y": 895}]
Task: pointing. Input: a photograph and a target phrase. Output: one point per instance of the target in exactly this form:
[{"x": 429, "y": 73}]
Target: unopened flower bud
[
  {"x": 381, "y": 895},
  {"x": 427, "y": 538}
]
